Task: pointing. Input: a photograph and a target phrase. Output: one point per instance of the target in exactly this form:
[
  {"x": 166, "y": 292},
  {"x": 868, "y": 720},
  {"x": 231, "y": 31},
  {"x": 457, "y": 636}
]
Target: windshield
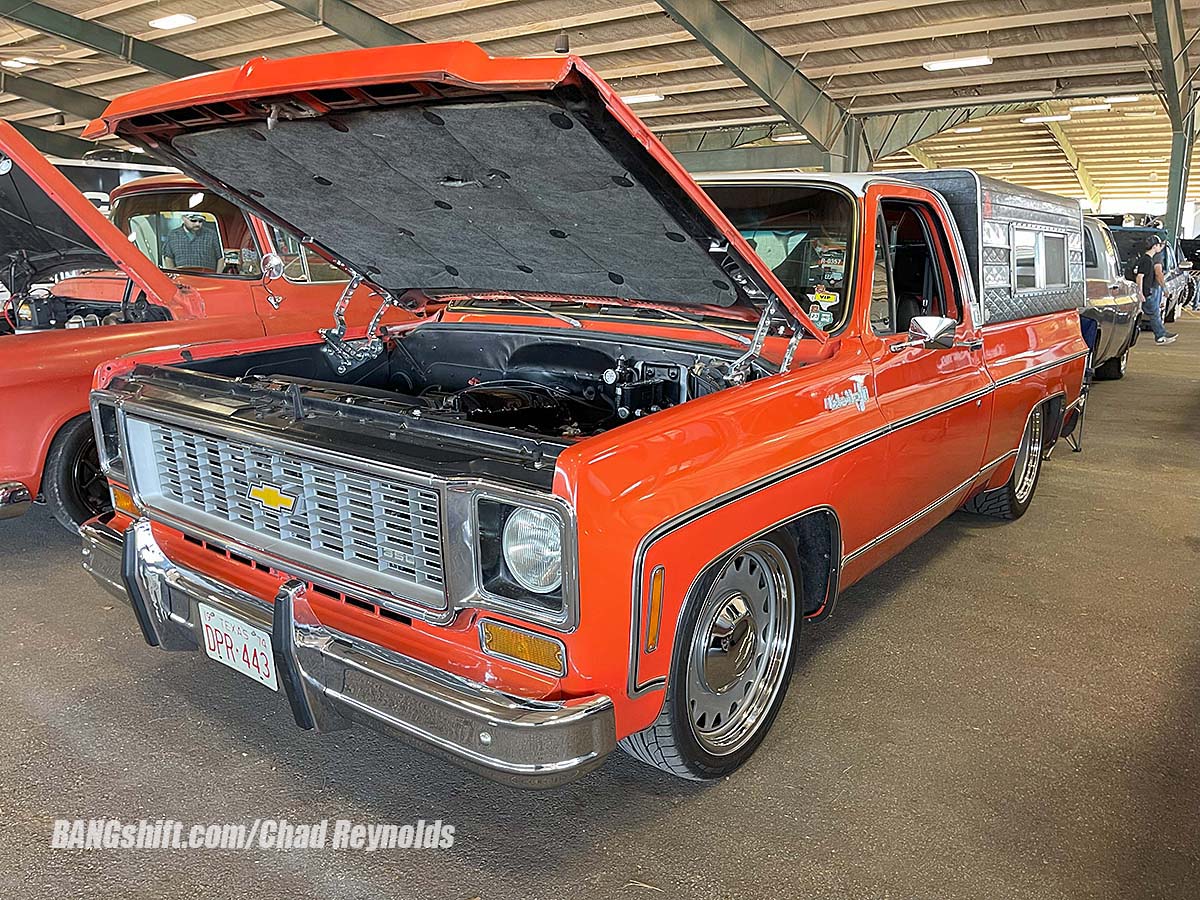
[
  {"x": 189, "y": 231},
  {"x": 803, "y": 232}
]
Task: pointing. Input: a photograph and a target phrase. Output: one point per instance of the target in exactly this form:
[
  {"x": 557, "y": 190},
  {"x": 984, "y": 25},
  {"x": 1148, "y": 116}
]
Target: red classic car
[
  {"x": 652, "y": 432},
  {"x": 67, "y": 314}
]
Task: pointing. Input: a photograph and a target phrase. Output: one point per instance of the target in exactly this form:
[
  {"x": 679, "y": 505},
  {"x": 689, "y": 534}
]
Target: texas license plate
[{"x": 242, "y": 647}]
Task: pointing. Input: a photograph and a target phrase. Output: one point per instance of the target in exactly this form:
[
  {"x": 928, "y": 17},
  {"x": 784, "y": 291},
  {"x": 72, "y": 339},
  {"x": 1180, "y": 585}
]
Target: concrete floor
[{"x": 1002, "y": 711}]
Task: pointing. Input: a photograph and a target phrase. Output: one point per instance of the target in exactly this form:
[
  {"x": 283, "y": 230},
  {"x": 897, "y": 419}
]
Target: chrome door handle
[{"x": 976, "y": 344}]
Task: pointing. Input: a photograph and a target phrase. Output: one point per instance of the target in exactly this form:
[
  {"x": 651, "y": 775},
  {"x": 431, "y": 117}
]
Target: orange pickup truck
[{"x": 654, "y": 429}]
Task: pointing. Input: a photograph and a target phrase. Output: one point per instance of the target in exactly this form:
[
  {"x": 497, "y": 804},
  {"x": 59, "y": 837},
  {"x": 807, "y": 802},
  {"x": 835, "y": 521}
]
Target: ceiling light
[
  {"x": 12, "y": 64},
  {"x": 1153, "y": 159},
  {"x": 999, "y": 167},
  {"x": 562, "y": 43},
  {"x": 178, "y": 20},
  {"x": 1123, "y": 98},
  {"x": 790, "y": 137},
  {"x": 1142, "y": 114},
  {"x": 28, "y": 60},
  {"x": 1036, "y": 120},
  {"x": 1092, "y": 107},
  {"x": 970, "y": 129},
  {"x": 644, "y": 98},
  {"x": 963, "y": 62}
]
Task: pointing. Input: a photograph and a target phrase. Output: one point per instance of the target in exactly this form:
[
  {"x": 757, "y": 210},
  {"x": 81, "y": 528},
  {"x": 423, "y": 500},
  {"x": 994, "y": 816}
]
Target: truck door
[{"x": 937, "y": 401}]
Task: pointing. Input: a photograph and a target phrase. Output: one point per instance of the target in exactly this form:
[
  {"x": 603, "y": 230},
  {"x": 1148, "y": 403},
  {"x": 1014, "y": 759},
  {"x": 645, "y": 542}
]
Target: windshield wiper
[
  {"x": 740, "y": 338},
  {"x": 574, "y": 323}
]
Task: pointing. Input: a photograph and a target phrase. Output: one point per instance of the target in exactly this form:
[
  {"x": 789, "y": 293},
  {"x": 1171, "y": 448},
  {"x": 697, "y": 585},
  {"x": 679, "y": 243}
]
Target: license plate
[{"x": 242, "y": 647}]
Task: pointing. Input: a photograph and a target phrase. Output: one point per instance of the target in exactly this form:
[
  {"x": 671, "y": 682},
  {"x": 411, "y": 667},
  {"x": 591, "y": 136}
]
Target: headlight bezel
[
  {"x": 557, "y": 609},
  {"x": 110, "y": 447}
]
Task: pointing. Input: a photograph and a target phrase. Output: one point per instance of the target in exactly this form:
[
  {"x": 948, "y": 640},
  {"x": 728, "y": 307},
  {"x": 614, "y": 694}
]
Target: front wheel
[
  {"x": 1011, "y": 500},
  {"x": 730, "y": 667},
  {"x": 73, "y": 484}
]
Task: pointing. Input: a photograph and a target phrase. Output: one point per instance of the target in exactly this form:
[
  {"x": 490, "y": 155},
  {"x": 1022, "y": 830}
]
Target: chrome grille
[{"x": 369, "y": 529}]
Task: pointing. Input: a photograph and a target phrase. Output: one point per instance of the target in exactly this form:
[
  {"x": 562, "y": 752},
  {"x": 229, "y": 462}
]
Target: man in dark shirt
[
  {"x": 192, "y": 245},
  {"x": 1150, "y": 281}
]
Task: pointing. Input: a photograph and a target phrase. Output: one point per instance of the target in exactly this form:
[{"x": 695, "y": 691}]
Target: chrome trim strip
[
  {"x": 636, "y": 689},
  {"x": 915, "y": 517}
]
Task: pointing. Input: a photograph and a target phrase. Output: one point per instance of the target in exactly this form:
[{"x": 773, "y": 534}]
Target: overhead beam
[
  {"x": 351, "y": 22},
  {"x": 887, "y": 133},
  {"x": 1174, "y": 69},
  {"x": 1086, "y": 184},
  {"x": 754, "y": 159},
  {"x": 922, "y": 157},
  {"x": 782, "y": 87},
  {"x": 1175, "y": 74},
  {"x": 54, "y": 143},
  {"x": 101, "y": 38},
  {"x": 52, "y": 95}
]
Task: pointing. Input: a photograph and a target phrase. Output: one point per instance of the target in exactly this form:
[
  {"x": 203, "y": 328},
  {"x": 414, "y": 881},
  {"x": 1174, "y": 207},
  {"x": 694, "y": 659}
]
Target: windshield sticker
[
  {"x": 856, "y": 396},
  {"x": 825, "y": 298},
  {"x": 822, "y": 318}
]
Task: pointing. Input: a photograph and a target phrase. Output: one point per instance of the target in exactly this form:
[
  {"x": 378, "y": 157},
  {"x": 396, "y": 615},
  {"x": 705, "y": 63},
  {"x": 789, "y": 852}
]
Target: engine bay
[
  {"x": 534, "y": 382},
  {"x": 42, "y": 310}
]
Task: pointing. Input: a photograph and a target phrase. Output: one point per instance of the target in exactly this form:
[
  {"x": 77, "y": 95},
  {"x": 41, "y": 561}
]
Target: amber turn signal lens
[
  {"x": 123, "y": 501},
  {"x": 654, "y": 616},
  {"x": 537, "y": 651}
]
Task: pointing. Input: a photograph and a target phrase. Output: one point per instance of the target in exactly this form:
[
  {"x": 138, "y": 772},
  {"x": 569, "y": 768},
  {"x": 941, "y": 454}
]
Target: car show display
[{"x": 591, "y": 502}]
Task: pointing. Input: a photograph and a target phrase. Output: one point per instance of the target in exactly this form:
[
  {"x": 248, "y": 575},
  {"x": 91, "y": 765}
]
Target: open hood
[
  {"x": 438, "y": 168},
  {"x": 43, "y": 216}
]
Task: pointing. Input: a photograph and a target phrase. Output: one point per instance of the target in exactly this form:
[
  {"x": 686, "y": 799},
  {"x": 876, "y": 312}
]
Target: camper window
[{"x": 1039, "y": 260}]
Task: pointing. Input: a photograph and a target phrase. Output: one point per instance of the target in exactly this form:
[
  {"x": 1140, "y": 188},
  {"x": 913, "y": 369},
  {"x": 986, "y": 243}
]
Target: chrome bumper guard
[
  {"x": 15, "y": 499},
  {"x": 332, "y": 679}
]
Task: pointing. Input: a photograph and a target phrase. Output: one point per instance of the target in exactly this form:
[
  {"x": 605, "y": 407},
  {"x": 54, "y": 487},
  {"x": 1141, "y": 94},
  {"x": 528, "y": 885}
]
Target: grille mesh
[{"x": 372, "y": 524}]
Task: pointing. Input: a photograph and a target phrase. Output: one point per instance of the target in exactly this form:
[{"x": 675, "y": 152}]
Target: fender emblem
[
  {"x": 270, "y": 497},
  {"x": 856, "y": 396}
]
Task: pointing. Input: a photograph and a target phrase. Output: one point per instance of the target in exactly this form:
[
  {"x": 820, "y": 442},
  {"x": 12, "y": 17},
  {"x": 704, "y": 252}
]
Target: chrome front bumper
[
  {"x": 332, "y": 679},
  {"x": 15, "y": 499}
]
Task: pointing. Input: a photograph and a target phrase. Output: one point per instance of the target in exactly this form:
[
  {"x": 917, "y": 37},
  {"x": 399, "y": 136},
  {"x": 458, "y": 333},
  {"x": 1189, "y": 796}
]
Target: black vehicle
[{"x": 1131, "y": 241}]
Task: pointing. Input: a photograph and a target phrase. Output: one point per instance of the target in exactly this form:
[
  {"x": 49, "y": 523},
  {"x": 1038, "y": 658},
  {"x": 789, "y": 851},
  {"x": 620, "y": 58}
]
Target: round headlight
[{"x": 532, "y": 546}]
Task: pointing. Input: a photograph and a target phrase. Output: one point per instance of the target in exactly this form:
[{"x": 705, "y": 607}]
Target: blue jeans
[{"x": 1151, "y": 309}]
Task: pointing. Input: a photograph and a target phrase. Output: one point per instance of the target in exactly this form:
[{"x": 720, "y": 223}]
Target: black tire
[
  {"x": 1172, "y": 312},
  {"x": 675, "y": 742},
  {"x": 1114, "y": 369},
  {"x": 72, "y": 483},
  {"x": 1011, "y": 500}
]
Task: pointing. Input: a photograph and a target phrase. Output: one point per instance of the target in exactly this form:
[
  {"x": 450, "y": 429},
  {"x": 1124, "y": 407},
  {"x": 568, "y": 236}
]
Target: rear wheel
[
  {"x": 1011, "y": 500},
  {"x": 1114, "y": 369},
  {"x": 730, "y": 668},
  {"x": 73, "y": 484}
]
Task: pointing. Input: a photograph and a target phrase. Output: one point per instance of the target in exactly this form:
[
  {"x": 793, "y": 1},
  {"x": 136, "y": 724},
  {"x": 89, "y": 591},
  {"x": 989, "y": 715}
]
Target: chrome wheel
[
  {"x": 740, "y": 647},
  {"x": 1124, "y": 360},
  {"x": 1029, "y": 458}
]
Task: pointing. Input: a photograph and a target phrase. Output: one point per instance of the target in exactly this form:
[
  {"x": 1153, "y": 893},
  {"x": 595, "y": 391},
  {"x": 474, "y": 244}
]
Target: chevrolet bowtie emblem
[{"x": 270, "y": 497}]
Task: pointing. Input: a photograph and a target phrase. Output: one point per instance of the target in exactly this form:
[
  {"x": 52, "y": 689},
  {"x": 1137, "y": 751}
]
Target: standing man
[
  {"x": 192, "y": 245},
  {"x": 1151, "y": 281}
]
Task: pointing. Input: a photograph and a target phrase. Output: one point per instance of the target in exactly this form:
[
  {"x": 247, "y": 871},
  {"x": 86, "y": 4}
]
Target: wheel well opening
[{"x": 817, "y": 535}]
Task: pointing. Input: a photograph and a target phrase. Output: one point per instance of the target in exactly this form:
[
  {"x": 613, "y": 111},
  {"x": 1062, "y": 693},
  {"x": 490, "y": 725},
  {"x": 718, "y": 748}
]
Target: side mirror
[
  {"x": 272, "y": 266},
  {"x": 930, "y": 332}
]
